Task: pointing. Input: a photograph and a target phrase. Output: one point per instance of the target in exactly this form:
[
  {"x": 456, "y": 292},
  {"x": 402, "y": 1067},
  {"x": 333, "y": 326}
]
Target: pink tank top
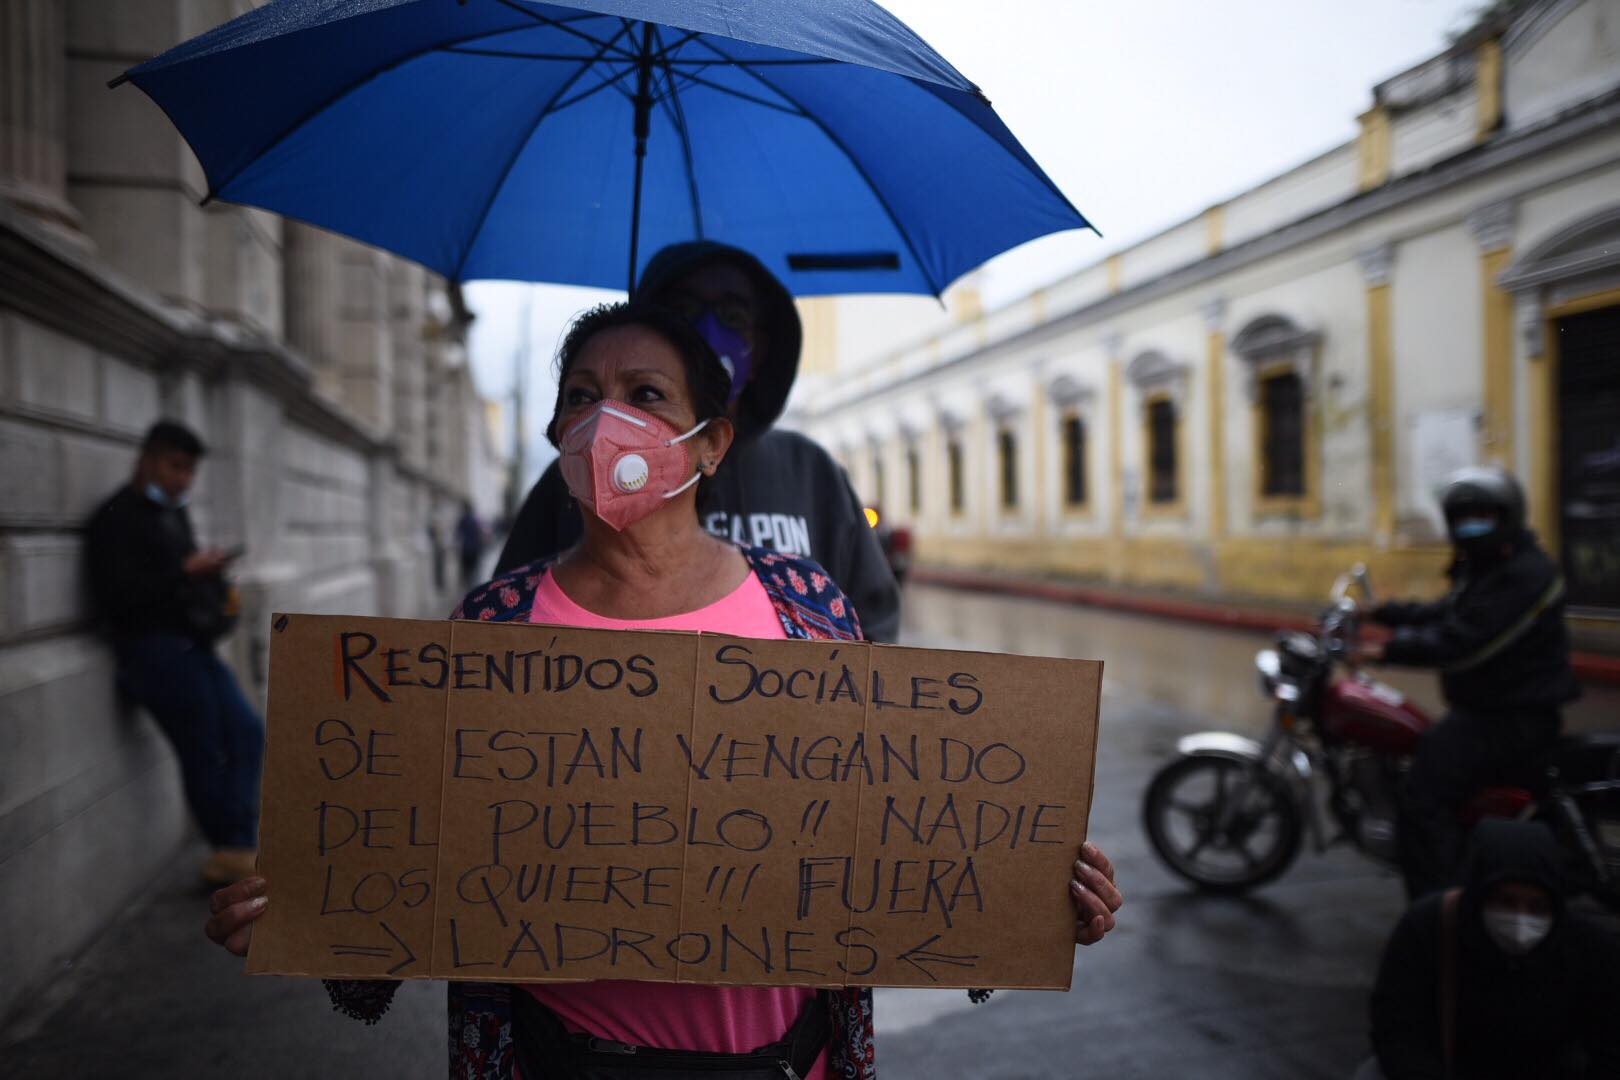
[{"x": 716, "y": 1019}]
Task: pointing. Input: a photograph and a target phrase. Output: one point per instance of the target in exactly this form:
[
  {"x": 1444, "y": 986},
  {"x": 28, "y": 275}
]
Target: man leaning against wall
[{"x": 164, "y": 602}]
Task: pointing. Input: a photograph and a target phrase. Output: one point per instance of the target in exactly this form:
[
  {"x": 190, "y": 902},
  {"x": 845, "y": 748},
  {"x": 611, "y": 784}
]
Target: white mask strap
[
  {"x": 694, "y": 479},
  {"x": 636, "y": 420},
  {"x": 682, "y": 438}
]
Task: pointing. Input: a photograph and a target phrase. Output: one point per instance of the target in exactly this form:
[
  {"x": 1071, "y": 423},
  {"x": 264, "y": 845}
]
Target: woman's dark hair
[{"x": 707, "y": 383}]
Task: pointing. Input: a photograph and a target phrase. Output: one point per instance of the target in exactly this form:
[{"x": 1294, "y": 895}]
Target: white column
[{"x": 33, "y": 81}]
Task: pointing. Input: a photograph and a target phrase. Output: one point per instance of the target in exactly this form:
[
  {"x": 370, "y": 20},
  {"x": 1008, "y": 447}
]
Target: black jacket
[
  {"x": 1498, "y": 637},
  {"x": 1530, "y": 1016},
  {"x": 133, "y": 551},
  {"x": 776, "y": 489}
]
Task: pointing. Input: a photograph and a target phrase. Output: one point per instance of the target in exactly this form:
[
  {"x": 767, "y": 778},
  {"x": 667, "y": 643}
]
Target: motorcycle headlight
[{"x": 1269, "y": 666}]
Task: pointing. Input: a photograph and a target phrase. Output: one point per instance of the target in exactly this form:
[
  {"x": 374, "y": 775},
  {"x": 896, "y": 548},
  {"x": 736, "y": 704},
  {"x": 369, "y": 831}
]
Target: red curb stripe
[{"x": 1592, "y": 667}]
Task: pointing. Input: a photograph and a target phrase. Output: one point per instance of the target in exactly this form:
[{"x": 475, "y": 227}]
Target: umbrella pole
[{"x": 643, "y": 123}]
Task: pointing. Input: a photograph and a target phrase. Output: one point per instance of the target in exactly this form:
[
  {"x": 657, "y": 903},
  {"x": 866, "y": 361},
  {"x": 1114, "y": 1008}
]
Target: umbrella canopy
[{"x": 527, "y": 141}]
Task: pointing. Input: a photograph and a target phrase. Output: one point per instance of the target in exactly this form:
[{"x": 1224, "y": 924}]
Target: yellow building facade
[{"x": 1254, "y": 399}]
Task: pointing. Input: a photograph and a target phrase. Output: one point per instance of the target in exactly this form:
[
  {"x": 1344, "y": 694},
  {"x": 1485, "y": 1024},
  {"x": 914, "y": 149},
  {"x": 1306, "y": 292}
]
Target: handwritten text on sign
[{"x": 515, "y": 802}]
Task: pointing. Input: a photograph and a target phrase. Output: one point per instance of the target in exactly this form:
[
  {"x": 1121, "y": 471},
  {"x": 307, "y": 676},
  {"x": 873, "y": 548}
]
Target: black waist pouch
[{"x": 545, "y": 1050}]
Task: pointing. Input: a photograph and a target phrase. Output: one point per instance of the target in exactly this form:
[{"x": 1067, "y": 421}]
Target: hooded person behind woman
[
  {"x": 1536, "y": 994},
  {"x": 777, "y": 489}
]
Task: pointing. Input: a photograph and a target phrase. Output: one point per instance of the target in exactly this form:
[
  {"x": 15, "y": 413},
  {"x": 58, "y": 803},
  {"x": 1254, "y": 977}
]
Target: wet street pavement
[
  {"x": 1272, "y": 985},
  {"x": 1191, "y": 986}
]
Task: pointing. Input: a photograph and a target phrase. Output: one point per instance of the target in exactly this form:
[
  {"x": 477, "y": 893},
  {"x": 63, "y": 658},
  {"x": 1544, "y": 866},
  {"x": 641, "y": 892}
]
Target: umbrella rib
[
  {"x": 848, "y": 155},
  {"x": 697, "y": 80},
  {"x": 806, "y": 62},
  {"x": 665, "y": 56},
  {"x": 562, "y": 24},
  {"x": 665, "y": 51},
  {"x": 509, "y": 55},
  {"x": 605, "y": 84},
  {"x": 216, "y": 189},
  {"x": 500, "y": 182},
  {"x": 662, "y": 61},
  {"x": 672, "y": 105}
]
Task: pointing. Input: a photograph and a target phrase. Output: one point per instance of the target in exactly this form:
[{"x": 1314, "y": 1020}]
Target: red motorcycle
[{"x": 1229, "y": 813}]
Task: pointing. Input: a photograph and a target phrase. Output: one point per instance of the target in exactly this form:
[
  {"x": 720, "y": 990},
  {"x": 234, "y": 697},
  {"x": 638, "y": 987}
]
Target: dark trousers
[
  {"x": 216, "y": 734},
  {"x": 1466, "y": 751}
]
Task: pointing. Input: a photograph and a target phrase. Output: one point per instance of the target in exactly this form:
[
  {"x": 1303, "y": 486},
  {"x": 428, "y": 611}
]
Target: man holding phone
[{"x": 164, "y": 602}]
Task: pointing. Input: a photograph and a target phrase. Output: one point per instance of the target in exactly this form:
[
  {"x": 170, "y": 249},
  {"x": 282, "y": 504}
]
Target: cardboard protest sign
[{"x": 536, "y": 803}]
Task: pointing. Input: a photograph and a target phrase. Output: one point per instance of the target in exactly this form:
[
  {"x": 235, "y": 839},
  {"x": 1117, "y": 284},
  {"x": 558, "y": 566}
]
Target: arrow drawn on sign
[
  {"x": 383, "y": 952},
  {"x": 918, "y": 955}
]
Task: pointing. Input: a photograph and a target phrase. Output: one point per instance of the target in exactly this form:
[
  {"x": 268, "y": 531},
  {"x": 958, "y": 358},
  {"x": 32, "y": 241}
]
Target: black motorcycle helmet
[{"x": 1479, "y": 493}]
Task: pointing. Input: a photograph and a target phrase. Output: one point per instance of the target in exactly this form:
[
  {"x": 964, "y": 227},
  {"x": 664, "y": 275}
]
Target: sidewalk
[
  {"x": 1590, "y": 666},
  {"x": 152, "y": 997}
]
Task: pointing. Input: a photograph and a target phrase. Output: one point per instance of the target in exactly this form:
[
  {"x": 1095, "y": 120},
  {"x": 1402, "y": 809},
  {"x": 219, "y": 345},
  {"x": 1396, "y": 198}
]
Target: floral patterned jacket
[{"x": 810, "y": 606}]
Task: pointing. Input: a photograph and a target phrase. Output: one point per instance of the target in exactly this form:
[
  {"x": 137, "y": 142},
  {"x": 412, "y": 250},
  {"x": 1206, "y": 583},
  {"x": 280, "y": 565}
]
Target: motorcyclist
[{"x": 1499, "y": 642}]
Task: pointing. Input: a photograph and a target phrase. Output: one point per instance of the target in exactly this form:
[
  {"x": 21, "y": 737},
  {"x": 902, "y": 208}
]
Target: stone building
[
  {"x": 330, "y": 381},
  {"x": 1251, "y": 400}
]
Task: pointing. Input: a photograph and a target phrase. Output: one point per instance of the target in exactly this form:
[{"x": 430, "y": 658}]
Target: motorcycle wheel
[{"x": 1182, "y": 809}]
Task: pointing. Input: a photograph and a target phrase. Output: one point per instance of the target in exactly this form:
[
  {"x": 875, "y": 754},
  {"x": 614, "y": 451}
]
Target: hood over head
[
  {"x": 1512, "y": 851},
  {"x": 766, "y": 394}
]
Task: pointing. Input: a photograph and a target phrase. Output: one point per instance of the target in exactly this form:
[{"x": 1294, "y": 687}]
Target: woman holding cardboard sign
[{"x": 641, "y": 423}]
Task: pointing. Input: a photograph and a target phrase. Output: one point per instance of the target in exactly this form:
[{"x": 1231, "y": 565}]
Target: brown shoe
[{"x": 228, "y": 865}]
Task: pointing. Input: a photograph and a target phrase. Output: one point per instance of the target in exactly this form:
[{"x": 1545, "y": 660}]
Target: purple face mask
[{"x": 736, "y": 355}]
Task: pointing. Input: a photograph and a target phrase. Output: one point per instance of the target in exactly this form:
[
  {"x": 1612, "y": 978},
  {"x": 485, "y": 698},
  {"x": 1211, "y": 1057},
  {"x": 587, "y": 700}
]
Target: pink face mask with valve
[{"x": 624, "y": 463}]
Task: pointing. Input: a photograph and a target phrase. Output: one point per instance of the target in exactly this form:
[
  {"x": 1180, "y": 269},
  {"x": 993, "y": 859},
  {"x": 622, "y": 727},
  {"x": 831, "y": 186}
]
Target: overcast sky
[{"x": 1143, "y": 112}]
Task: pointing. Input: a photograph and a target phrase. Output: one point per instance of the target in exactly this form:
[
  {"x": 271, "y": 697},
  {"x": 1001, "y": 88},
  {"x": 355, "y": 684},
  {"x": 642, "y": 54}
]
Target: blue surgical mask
[
  {"x": 1472, "y": 528},
  {"x": 163, "y": 499}
]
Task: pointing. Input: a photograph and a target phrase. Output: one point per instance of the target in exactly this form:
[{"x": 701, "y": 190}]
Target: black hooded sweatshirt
[
  {"x": 1498, "y": 637},
  {"x": 1554, "y": 1012},
  {"x": 776, "y": 489}
]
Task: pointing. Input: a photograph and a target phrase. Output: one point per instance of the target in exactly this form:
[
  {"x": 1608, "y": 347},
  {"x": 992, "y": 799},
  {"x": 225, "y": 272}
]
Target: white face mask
[
  {"x": 164, "y": 499},
  {"x": 1515, "y": 932}
]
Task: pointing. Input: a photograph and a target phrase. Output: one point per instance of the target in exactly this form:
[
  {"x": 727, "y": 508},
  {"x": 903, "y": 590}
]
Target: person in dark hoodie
[
  {"x": 777, "y": 489},
  {"x": 1499, "y": 641},
  {"x": 1531, "y": 988}
]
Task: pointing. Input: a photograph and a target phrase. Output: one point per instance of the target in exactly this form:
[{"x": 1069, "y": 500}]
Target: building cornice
[
  {"x": 49, "y": 279},
  {"x": 1590, "y": 118}
]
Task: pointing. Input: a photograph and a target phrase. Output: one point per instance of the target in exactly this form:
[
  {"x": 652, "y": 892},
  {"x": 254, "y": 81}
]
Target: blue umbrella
[{"x": 543, "y": 142}]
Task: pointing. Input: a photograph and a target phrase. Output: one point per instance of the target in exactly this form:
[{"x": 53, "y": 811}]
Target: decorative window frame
[
  {"x": 1576, "y": 268},
  {"x": 912, "y": 442},
  {"x": 953, "y": 432},
  {"x": 1270, "y": 345},
  {"x": 1158, "y": 378},
  {"x": 877, "y": 469},
  {"x": 1072, "y": 399},
  {"x": 1580, "y": 259},
  {"x": 1004, "y": 414}
]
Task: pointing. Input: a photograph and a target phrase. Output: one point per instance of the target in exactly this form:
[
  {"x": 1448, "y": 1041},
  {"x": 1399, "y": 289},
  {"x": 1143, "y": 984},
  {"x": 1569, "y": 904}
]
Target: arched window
[
  {"x": 953, "y": 469},
  {"x": 1164, "y": 476},
  {"x": 1073, "y": 434},
  {"x": 1281, "y": 359},
  {"x": 1072, "y": 399},
  {"x": 913, "y": 478},
  {"x": 1162, "y": 386},
  {"x": 1007, "y": 466},
  {"x": 1282, "y": 434}
]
